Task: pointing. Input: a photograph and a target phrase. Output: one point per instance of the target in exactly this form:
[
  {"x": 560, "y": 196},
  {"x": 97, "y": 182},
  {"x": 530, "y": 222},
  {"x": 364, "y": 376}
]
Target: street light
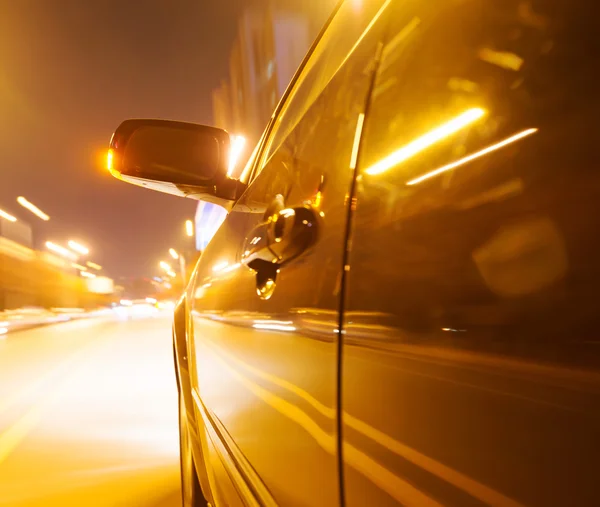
[
  {"x": 33, "y": 208},
  {"x": 60, "y": 250},
  {"x": 181, "y": 259},
  {"x": 7, "y": 216},
  {"x": 165, "y": 266},
  {"x": 189, "y": 228},
  {"x": 78, "y": 247},
  {"x": 237, "y": 145}
]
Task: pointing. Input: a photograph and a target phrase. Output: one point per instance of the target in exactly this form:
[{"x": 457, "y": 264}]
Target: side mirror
[{"x": 174, "y": 157}]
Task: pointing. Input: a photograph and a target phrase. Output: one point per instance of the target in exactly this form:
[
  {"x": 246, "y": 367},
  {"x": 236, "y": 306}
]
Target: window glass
[{"x": 341, "y": 38}]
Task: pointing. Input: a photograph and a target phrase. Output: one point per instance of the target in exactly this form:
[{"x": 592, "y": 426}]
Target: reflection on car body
[{"x": 434, "y": 341}]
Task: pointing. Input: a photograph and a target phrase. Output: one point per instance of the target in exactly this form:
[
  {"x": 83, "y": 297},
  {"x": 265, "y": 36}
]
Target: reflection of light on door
[
  {"x": 473, "y": 156},
  {"x": 426, "y": 140}
]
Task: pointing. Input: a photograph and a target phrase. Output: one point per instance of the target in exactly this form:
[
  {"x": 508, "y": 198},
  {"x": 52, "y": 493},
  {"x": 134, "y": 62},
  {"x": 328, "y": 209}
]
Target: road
[{"x": 88, "y": 415}]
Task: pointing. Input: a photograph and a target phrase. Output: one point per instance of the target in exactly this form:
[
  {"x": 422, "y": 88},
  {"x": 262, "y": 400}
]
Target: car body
[{"x": 401, "y": 306}]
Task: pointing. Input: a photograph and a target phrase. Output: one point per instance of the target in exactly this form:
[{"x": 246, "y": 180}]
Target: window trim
[{"x": 268, "y": 132}]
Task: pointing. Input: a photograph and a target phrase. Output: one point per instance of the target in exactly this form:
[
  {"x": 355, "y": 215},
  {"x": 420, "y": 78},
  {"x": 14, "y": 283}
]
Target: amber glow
[
  {"x": 109, "y": 160},
  {"x": 33, "y": 208},
  {"x": 189, "y": 228},
  {"x": 7, "y": 216},
  {"x": 426, "y": 140},
  {"x": 237, "y": 146},
  {"x": 60, "y": 250},
  {"x": 356, "y": 143},
  {"x": 173, "y": 253},
  {"x": 165, "y": 266},
  {"x": 78, "y": 247},
  {"x": 473, "y": 156}
]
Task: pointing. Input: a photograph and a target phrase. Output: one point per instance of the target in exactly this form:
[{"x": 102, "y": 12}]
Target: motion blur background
[{"x": 89, "y": 268}]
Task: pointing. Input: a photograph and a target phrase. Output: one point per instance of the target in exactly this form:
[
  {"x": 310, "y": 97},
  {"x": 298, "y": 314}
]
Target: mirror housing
[{"x": 173, "y": 157}]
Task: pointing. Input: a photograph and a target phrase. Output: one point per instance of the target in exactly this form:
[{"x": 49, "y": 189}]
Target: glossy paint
[
  {"x": 265, "y": 350},
  {"x": 471, "y": 358},
  {"x": 448, "y": 149}
]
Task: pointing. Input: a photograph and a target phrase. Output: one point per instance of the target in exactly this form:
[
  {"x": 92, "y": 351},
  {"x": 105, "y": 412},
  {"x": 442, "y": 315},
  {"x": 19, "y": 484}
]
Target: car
[{"x": 401, "y": 307}]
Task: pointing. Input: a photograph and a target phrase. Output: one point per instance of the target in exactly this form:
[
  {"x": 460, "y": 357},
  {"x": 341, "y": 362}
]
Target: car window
[{"x": 350, "y": 23}]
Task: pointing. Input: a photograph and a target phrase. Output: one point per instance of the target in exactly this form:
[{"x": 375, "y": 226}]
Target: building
[{"x": 270, "y": 45}]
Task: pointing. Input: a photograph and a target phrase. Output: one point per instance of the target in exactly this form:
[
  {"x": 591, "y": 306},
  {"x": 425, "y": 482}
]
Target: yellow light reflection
[
  {"x": 357, "y": 137},
  {"x": 425, "y": 141},
  {"x": 473, "y": 156},
  {"x": 237, "y": 146},
  {"x": 109, "y": 160},
  {"x": 220, "y": 266}
]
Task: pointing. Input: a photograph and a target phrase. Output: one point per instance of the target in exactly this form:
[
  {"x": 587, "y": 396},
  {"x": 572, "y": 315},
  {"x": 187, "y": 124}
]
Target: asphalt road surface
[{"x": 88, "y": 415}]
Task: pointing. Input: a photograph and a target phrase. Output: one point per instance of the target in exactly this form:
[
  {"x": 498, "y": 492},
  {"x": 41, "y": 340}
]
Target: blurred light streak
[
  {"x": 60, "y": 250},
  {"x": 152, "y": 301},
  {"x": 220, "y": 266},
  {"x": 503, "y": 59},
  {"x": 189, "y": 228},
  {"x": 237, "y": 147},
  {"x": 93, "y": 265},
  {"x": 274, "y": 327},
  {"x": 109, "y": 160},
  {"x": 357, "y": 137},
  {"x": 173, "y": 253},
  {"x": 78, "y": 247},
  {"x": 87, "y": 274},
  {"x": 79, "y": 267},
  {"x": 126, "y": 302},
  {"x": 7, "y": 216},
  {"x": 473, "y": 156},
  {"x": 366, "y": 31},
  {"x": 33, "y": 208},
  {"x": 426, "y": 140},
  {"x": 165, "y": 266}
]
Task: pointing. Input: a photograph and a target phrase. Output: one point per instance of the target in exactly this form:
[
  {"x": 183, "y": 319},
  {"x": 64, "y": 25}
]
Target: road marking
[
  {"x": 284, "y": 384},
  {"x": 17, "y": 431},
  {"x": 15, "y": 434},
  {"x": 393, "y": 485},
  {"x": 15, "y": 398},
  {"x": 444, "y": 472}
]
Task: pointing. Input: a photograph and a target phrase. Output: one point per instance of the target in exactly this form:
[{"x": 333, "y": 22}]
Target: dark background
[{"x": 70, "y": 71}]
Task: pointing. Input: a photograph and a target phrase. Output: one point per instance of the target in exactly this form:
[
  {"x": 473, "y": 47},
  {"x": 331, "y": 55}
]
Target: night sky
[{"x": 70, "y": 71}]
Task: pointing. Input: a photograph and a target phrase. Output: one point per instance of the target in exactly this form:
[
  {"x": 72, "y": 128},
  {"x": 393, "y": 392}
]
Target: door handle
[{"x": 282, "y": 237}]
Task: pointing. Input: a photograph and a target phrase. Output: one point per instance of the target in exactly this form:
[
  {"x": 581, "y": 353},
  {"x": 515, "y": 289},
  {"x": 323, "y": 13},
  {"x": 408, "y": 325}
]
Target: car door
[
  {"x": 470, "y": 357},
  {"x": 267, "y": 289}
]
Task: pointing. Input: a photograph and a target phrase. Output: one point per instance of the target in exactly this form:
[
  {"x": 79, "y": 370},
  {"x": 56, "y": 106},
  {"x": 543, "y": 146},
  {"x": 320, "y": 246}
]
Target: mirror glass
[{"x": 187, "y": 156}]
